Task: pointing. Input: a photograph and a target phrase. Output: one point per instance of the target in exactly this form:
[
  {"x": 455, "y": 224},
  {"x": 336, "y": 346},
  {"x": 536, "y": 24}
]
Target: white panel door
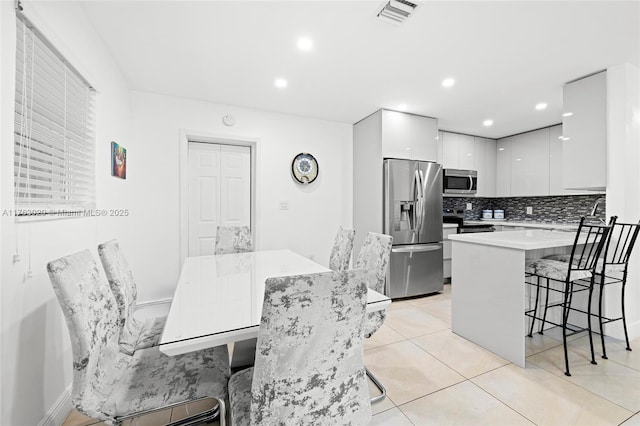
[
  {"x": 219, "y": 192},
  {"x": 235, "y": 185}
]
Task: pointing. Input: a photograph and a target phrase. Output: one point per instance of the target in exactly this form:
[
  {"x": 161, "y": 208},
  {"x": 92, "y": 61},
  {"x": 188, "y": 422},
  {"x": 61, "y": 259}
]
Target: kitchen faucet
[{"x": 595, "y": 207}]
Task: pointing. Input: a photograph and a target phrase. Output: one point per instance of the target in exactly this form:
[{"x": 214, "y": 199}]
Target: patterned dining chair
[
  {"x": 233, "y": 239},
  {"x": 342, "y": 248},
  {"x": 309, "y": 361},
  {"x": 135, "y": 334},
  {"x": 109, "y": 385},
  {"x": 374, "y": 256}
]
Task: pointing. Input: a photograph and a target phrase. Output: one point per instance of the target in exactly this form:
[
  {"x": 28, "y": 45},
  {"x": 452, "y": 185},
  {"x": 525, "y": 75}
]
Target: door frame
[{"x": 221, "y": 139}]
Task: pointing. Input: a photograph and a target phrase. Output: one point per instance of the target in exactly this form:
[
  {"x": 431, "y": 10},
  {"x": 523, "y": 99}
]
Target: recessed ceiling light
[
  {"x": 560, "y": 137},
  {"x": 280, "y": 82},
  {"x": 566, "y": 138},
  {"x": 567, "y": 114},
  {"x": 305, "y": 43},
  {"x": 500, "y": 149},
  {"x": 541, "y": 106},
  {"x": 402, "y": 107},
  {"x": 448, "y": 82},
  {"x": 487, "y": 123}
]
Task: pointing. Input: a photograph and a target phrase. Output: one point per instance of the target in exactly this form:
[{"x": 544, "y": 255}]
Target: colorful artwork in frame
[{"x": 118, "y": 161}]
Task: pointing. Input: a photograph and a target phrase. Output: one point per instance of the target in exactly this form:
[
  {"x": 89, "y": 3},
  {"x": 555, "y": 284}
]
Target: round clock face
[{"x": 304, "y": 168}]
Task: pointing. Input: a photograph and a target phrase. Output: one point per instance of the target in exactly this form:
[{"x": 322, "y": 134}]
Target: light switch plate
[
  {"x": 529, "y": 210},
  {"x": 469, "y": 206}
]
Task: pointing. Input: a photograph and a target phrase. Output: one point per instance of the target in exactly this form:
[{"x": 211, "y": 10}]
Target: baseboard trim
[{"x": 59, "y": 411}]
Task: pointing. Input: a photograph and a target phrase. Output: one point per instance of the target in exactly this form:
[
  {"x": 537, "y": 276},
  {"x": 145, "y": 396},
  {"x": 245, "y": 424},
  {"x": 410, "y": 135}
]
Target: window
[{"x": 54, "y": 158}]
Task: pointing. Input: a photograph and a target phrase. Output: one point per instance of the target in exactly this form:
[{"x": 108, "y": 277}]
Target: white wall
[
  {"x": 35, "y": 346},
  {"x": 623, "y": 177},
  {"x": 315, "y": 211}
]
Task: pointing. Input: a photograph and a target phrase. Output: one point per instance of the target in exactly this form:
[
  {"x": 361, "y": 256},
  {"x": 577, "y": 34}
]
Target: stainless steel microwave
[{"x": 455, "y": 181}]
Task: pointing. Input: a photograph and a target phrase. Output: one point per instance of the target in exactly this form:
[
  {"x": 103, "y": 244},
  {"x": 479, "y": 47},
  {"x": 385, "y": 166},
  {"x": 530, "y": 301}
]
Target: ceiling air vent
[{"x": 397, "y": 11}]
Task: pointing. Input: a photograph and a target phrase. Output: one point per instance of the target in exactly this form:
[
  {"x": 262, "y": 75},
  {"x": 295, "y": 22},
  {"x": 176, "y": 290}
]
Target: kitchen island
[{"x": 488, "y": 294}]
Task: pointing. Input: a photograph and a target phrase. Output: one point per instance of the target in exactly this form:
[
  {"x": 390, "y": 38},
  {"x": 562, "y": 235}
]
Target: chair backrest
[
  {"x": 374, "y": 256},
  {"x": 342, "y": 248},
  {"x": 587, "y": 246},
  {"x": 123, "y": 286},
  {"x": 622, "y": 238},
  {"x": 309, "y": 359},
  {"x": 90, "y": 310},
  {"x": 233, "y": 239}
]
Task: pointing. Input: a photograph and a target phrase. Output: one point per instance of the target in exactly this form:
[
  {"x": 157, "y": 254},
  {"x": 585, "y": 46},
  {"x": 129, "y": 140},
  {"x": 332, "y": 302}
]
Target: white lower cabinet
[{"x": 446, "y": 252}]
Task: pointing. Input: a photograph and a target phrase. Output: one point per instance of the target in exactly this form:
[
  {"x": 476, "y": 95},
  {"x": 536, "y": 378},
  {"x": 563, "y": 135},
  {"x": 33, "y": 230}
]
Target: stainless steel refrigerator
[{"x": 413, "y": 217}]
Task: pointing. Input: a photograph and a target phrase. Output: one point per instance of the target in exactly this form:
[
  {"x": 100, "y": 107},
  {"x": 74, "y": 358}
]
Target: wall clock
[{"x": 304, "y": 168}]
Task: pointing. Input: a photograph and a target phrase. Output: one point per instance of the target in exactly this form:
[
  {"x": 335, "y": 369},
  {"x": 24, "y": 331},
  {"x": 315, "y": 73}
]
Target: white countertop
[
  {"x": 522, "y": 240},
  {"x": 539, "y": 225},
  {"x": 449, "y": 225}
]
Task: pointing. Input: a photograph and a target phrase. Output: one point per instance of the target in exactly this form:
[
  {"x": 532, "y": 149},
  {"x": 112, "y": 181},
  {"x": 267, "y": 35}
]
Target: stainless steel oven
[{"x": 456, "y": 181}]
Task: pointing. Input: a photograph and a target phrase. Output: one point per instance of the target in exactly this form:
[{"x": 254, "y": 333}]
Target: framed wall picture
[{"x": 118, "y": 161}]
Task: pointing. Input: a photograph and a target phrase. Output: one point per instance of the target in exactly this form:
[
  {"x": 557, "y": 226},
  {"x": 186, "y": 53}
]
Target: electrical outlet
[
  {"x": 284, "y": 205},
  {"x": 469, "y": 206},
  {"x": 529, "y": 210}
]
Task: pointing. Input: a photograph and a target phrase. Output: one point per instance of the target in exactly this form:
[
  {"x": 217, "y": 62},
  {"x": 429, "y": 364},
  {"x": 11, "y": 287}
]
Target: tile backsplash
[{"x": 556, "y": 209}]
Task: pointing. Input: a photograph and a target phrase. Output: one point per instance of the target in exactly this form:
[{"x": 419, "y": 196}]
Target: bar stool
[
  {"x": 612, "y": 269},
  {"x": 576, "y": 275}
]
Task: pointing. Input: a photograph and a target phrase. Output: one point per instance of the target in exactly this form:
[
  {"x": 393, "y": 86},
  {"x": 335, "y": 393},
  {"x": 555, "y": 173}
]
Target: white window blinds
[{"x": 54, "y": 139}]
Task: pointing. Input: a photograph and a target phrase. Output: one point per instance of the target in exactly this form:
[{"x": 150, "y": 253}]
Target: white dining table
[{"x": 218, "y": 299}]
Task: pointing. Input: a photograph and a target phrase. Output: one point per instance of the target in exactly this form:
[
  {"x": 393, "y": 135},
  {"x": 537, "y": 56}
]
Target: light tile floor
[{"x": 434, "y": 377}]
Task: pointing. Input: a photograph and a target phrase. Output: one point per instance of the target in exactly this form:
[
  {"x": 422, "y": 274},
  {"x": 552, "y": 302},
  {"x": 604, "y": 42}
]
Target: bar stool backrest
[
  {"x": 587, "y": 247},
  {"x": 622, "y": 238}
]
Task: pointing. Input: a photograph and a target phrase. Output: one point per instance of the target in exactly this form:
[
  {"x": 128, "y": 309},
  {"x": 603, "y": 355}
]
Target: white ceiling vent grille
[{"x": 397, "y": 11}]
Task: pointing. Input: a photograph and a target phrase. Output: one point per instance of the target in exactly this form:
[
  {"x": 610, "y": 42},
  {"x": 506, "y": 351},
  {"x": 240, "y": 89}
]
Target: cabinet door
[
  {"x": 450, "y": 150},
  {"x": 466, "y": 154},
  {"x": 409, "y": 136},
  {"x": 480, "y": 164},
  {"x": 490, "y": 168},
  {"x": 503, "y": 169},
  {"x": 556, "y": 174},
  {"x": 530, "y": 163},
  {"x": 584, "y": 152},
  {"x": 425, "y": 146},
  {"x": 439, "y": 149}
]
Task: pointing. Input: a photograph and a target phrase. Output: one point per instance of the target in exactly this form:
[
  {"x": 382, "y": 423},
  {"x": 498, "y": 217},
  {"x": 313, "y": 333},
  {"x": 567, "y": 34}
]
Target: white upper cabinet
[
  {"x": 485, "y": 163},
  {"x": 503, "y": 167},
  {"x": 530, "y": 163},
  {"x": 585, "y": 133},
  {"x": 450, "y": 150},
  {"x": 466, "y": 152},
  {"x": 409, "y": 136}
]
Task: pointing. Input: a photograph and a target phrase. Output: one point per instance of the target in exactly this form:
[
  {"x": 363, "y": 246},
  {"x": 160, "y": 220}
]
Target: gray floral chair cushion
[
  {"x": 554, "y": 269},
  {"x": 135, "y": 334},
  {"x": 108, "y": 383},
  {"x": 374, "y": 256},
  {"x": 233, "y": 239},
  {"x": 609, "y": 267},
  {"x": 342, "y": 248},
  {"x": 309, "y": 361}
]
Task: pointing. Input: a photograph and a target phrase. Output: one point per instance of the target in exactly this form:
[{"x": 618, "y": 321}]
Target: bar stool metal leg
[{"x": 535, "y": 307}]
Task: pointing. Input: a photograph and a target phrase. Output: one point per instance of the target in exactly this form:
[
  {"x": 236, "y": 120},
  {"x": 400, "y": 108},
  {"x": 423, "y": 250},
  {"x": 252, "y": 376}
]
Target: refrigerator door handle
[
  {"x": 417, "y": 202},
  {"x": 416, "y": 248},
  {"x": 422, "y": 190}
]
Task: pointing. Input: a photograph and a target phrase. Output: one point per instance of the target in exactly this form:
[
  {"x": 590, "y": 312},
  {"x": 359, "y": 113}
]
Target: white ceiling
[{"x": 506, "y": 56}]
